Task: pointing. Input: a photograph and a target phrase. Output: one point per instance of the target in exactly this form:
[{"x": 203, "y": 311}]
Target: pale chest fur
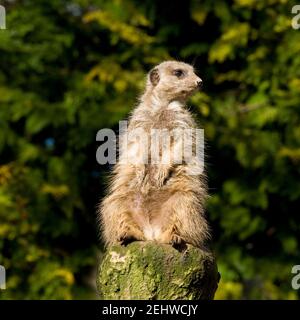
[
  {"x": 153, "y": 140},
  {"x": 172, "y": 116}
]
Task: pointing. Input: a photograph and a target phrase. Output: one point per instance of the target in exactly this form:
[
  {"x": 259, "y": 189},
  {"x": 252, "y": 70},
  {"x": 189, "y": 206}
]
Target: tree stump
[{"x": 152, "y": 271}]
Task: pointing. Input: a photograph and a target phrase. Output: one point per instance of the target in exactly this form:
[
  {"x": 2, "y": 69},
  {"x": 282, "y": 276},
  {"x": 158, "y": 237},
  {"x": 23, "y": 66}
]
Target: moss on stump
[{"x": 151, "y": 271}]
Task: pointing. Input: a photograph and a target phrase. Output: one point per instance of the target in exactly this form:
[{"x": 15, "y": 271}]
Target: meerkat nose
[{"x": 199, "y": 83}]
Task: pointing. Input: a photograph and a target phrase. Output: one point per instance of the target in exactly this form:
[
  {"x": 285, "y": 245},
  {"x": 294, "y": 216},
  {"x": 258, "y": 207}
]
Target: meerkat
[{"x": 161, "y": 201}]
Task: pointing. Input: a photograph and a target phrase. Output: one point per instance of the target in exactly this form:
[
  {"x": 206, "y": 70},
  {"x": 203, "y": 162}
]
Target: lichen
[{"x": 148, "y": 270}]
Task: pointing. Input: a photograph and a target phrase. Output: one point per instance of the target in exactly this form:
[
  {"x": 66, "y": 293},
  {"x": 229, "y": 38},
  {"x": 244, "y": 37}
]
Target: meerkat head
[{"x": 172, "y": 80}]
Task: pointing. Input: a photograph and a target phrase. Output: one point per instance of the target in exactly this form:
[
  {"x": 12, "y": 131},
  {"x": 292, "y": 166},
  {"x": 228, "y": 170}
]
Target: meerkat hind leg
[
  {"x": 187, "y": 223},
  {"x": 117, "y": 224},
  {"x": 129, "y": 233}
]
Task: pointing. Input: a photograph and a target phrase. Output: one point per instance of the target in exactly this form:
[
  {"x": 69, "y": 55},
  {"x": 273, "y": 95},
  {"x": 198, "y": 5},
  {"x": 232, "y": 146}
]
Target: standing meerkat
[{"x": 160, "y": 200}]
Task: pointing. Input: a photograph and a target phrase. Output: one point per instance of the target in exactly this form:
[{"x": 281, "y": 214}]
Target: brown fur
[{"x": 160, "y": 202}]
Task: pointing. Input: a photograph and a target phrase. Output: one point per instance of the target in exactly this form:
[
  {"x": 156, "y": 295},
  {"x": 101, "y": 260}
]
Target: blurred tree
[{"x": 70, "y": 68}]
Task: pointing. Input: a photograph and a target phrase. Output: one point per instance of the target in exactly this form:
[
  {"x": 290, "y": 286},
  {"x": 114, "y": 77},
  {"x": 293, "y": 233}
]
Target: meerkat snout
[{"x": 199, "y": 83}]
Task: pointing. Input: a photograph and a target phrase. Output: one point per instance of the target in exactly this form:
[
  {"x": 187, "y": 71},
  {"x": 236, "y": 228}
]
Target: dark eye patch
[{"x": 179, "y": 73}]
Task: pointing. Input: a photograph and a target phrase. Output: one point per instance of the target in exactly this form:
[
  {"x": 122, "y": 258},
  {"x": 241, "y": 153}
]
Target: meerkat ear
[{"x": 154, "y": 76}]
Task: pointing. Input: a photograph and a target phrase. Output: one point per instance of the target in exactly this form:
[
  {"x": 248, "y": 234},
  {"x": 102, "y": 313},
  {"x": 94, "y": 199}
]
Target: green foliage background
[{"x": 70, "y": 68}]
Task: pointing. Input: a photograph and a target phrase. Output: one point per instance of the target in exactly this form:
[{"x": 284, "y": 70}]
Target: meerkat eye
[{"x": 179, "y": 73}]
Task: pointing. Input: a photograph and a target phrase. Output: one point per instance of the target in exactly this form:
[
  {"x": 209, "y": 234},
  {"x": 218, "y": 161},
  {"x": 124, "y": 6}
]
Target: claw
[
  {"x": 178, "y": 243},
  {"x": 124, "y": 240},
  {"x": 176, "y": 240}
]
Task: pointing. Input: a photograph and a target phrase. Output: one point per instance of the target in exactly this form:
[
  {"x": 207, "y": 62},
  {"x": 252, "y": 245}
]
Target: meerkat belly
[{"x": 147, "y": 214}]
